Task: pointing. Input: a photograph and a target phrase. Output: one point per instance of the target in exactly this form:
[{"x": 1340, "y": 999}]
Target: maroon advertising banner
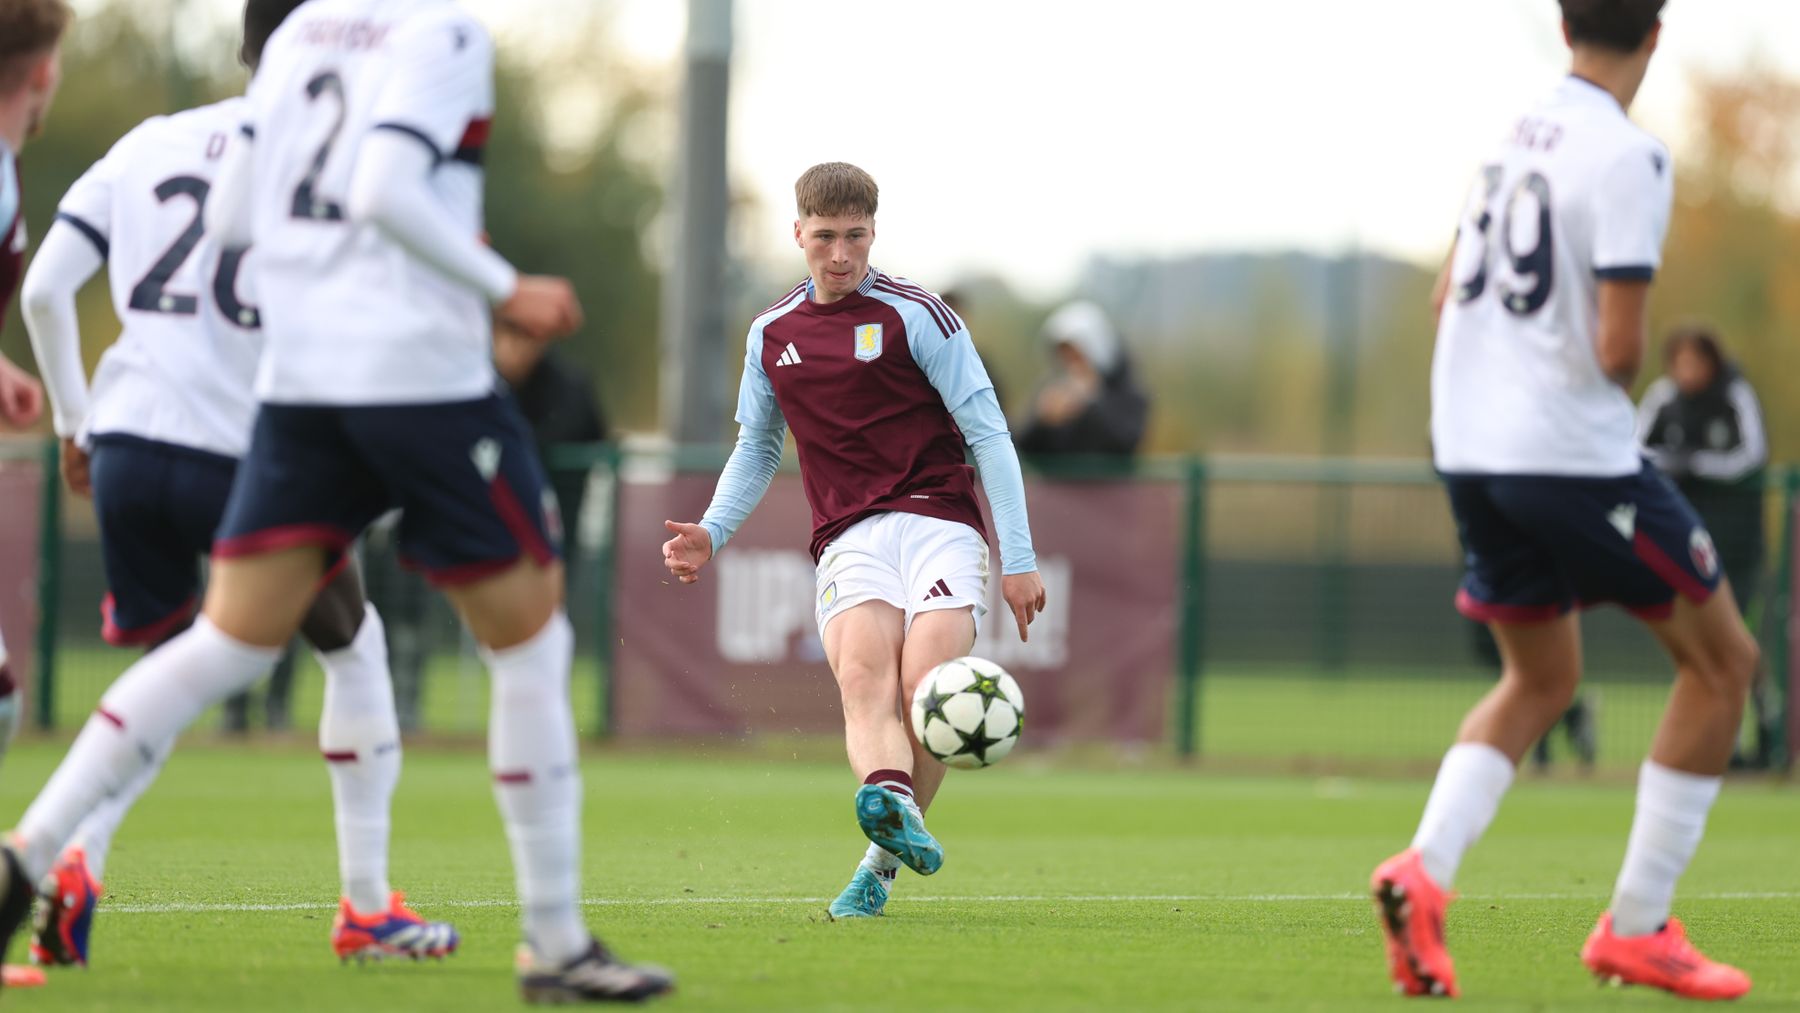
[
  {"x": 738, "y": 653},
  {"x": 21, "y": 490}
]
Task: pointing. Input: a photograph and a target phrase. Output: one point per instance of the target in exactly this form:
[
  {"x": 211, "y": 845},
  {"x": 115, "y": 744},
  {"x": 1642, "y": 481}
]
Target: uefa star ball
[{"x": 968, "y": 713}]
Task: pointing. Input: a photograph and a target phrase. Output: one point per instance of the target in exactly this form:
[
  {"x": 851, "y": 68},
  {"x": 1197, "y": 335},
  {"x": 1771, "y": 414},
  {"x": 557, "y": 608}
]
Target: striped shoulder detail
[
  {"x": 941, "y": 315},
  {"x": 778, "y": 310},
  {"x": 792, "y": 292}
]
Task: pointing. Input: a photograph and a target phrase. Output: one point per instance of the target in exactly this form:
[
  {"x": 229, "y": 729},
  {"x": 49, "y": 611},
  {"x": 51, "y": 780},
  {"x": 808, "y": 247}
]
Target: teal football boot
[
  {"x": 865, "y": 897},
  {"x": 897, "y": 827}
]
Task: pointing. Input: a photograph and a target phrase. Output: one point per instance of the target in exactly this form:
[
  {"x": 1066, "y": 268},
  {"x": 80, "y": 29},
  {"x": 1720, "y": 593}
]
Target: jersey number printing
[{"x": 1537, "y": 263}]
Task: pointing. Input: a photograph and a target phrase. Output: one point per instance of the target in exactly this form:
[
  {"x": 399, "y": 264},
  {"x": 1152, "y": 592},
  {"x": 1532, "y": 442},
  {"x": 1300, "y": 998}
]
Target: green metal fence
[{"x": 1315, "y": 615}]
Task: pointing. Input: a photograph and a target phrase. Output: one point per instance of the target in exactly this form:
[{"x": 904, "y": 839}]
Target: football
[{"x": 969, "y": 713}]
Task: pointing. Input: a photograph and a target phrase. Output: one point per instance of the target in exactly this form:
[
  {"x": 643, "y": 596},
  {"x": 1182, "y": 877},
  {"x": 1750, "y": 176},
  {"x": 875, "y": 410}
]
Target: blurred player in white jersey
[
  {"x": 357, "y": 177},
  {"x": 31, "y": 34},
  {"x": 168, "y": 418},
  {"x": 1542, "y": 330}
]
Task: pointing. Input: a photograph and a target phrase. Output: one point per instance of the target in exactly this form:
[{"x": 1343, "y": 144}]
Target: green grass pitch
[{"x": 1064, "y": 889}]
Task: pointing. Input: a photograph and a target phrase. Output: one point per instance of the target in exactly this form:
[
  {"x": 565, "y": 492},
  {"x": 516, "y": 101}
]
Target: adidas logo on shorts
[{"x": 938, "y": 590}]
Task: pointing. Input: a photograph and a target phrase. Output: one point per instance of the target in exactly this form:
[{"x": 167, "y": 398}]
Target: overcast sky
[{"x": 1024, "y": 137}]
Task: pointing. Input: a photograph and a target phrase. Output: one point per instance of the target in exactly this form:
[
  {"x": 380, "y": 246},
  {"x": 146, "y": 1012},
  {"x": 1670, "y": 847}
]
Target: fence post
[
  {"x": 1191, "y": 620},
  {"x": 49, "y": 581},
  {"x": 606, "y": 642}
]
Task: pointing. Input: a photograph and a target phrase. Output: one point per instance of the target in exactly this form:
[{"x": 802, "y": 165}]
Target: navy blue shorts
[
  {"x": 158, "y": 506},
  {"x": 1537, "y": 546},
  {"x": 464, "y": 474}
]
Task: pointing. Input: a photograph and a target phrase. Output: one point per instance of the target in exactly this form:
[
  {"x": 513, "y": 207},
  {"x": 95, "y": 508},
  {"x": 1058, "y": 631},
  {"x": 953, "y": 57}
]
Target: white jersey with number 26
[
  {"x": 1576, "y": 195},
  {"x": 182, "y": 367},
  {"x": 351, "y": 317}
]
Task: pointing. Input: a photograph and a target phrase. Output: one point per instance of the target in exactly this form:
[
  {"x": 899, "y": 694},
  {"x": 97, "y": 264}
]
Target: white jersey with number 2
[
  {"x": 1577, "y": 194},
  {"x": 350, "y": 317},
  {"x": 182, "y": 367}
]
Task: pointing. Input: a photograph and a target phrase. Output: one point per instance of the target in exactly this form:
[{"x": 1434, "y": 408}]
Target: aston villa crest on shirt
[{"x": 868, "y": 342}]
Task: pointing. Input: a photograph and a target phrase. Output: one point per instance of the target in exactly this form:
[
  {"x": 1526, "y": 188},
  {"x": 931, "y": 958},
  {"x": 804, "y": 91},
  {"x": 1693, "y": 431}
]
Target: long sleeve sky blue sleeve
[
  {"x": 984, "y": 426},
  {"x": 746, "y": 477}
]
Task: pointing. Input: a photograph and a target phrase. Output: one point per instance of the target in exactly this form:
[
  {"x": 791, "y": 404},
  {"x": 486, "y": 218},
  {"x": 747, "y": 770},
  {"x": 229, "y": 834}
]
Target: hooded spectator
[{"x": 1092, "y": 403}]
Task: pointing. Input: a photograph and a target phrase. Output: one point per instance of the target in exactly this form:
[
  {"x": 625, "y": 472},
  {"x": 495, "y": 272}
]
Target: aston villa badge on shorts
[{"x": 868, "y": 342}]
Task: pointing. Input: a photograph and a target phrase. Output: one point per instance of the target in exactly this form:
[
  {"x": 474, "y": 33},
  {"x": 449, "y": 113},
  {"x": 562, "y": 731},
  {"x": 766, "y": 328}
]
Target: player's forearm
[
  {"x": 389, "y": 191},
  {"x": 984, "y": 426},
  {"x": 65, "y": 261},
  {"x": 227, "y": 214},
  {"x": 746, "y": 478}
]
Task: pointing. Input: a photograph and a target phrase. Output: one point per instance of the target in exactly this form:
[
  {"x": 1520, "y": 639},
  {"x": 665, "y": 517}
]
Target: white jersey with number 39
[
  {"x": 350, "y": 316},
  {"x": 182, "y": 367},
  {"x": 1577, "y": 194}
]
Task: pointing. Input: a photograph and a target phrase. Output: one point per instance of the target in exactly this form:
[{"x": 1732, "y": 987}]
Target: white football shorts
[{"x": 913, "y": 562}]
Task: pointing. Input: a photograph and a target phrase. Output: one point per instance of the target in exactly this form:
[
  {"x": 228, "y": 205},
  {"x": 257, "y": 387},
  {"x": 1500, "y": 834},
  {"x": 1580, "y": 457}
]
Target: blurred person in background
[
  {"x": 1092, "y": 403},
  {"x": 1702, "y": 426},
  {"x": 31, "y": 34},
  {"x": 558, "y": 402}
]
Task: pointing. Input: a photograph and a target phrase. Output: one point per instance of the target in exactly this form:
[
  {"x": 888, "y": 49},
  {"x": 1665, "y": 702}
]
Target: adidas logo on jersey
[
  {"x": 938, "y": 590},
  {"x": 791, "y": 357}
]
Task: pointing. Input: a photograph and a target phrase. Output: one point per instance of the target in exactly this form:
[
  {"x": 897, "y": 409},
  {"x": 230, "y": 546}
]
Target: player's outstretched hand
[
  {"x": 543, "y": 307},
  {"x": 75, "y": 469},
  {"x": 21, "y": 396},
  {"x": 1024, "y": 594},
  {"x": 687, "y": 552}
]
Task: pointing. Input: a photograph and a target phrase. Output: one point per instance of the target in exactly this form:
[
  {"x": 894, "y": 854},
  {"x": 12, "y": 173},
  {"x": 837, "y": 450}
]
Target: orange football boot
[
  {"x": 22, "y": 976},
  {"x": 1663, "y": 959},
  {"x": 1411, "y": 909},
  {"x": 396, "y": 932}
]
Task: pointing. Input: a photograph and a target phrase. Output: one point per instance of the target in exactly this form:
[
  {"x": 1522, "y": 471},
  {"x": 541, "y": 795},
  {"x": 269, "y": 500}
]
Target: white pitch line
[{"x": 179, "y": 907}]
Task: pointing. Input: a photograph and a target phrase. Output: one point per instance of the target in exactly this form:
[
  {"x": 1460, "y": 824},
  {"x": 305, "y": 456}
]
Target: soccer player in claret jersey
[
  {"x": 30, "y": 69},
  {"x": 169, "y": 416},
  {"x": 357, "y": 175},
  {"x": 883, "y": 388},
  {"x": 1541, "y": 332}
]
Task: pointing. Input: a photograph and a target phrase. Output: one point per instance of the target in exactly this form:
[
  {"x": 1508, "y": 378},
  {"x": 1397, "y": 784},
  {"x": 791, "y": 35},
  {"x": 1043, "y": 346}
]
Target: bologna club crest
[
  {"x": 868, "y": 342},
  {"x": 1706, "y": 558}
]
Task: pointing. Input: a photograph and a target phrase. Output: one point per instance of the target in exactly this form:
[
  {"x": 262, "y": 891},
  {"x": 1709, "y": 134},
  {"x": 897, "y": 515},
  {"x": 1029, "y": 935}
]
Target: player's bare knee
[
  {"x": 865, "y": 688},
  {"x": 1547, "y": 691}
]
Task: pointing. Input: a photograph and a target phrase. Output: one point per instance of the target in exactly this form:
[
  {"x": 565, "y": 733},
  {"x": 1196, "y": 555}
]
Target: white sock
[
  {"x": 359, "y": 736},
  {"x": 1671, "y": 817},
  {"x": 532, "y": 752},
  {"x": 138, "y": 718},
  {"x": 882, "y": 861},
  {"x": 1470, "y": 783},
  {"x": 95, "y": 834}
]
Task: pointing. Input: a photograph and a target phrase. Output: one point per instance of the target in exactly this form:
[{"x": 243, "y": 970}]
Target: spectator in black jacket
[
  {"x": 1092, "y": 403},
  {"x": 1701, "y": 424},
  {"x": 558, "y": 402}
]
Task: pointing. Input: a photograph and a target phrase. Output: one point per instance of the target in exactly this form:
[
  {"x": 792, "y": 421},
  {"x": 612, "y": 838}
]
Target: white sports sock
[
  {"x": 359, "y": 736},
  {"x": 95, "y": 834},
  {"x": 1671, "y": 817},
  {"x": 532, "y": 752},
  {"x": 1470, "y": 783},
  {"x": 137, "y": 720},
  {"x": 881, "y": 860}
]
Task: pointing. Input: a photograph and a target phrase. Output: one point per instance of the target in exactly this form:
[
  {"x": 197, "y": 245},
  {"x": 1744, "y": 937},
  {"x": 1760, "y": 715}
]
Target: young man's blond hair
[
  {"x": 833, "y": 189},
  {"x": 29, "y": 31}
]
